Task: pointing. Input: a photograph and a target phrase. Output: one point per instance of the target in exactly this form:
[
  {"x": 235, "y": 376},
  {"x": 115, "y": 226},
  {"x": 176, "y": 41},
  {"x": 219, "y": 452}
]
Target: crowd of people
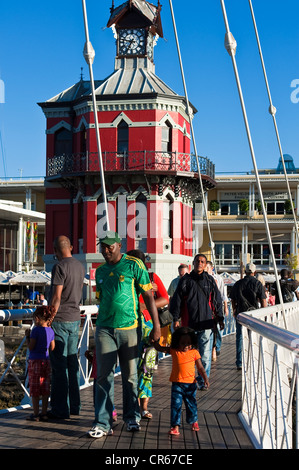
[{"x": 129, "y": 331}]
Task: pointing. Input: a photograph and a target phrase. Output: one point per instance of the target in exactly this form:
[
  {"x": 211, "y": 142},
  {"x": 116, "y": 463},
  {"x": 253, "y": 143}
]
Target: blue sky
[{"x": 41, "y": 55}]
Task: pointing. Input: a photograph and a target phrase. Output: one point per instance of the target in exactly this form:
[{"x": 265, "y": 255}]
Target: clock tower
[{"x": 150, "y": 175}]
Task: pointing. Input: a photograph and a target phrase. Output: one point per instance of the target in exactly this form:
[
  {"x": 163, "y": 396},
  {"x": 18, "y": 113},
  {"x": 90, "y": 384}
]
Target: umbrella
[{"x": 32, "y": 277}]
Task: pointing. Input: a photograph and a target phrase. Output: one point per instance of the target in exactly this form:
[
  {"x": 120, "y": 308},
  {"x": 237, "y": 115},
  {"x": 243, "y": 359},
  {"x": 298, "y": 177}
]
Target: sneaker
[
  {"x": 97, "y": 432},
  {"x": 133, "y": 426}
]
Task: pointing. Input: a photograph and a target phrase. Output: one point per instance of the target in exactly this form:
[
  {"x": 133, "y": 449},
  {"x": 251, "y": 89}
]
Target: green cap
[{"x": 110, "y": 238}]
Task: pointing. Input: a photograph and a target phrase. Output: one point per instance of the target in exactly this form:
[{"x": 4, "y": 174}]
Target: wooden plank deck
[{"x": 219, "y": 425}]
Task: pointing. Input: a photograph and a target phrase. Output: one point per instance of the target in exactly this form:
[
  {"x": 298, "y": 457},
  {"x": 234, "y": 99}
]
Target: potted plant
[
  {"x": 214, "y": 206},
  {"x": 244, "y": 206}
]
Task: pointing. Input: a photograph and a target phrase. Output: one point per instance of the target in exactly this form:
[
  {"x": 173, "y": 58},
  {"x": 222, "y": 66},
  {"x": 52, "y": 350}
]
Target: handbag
[{"x": 165, "y": 316}]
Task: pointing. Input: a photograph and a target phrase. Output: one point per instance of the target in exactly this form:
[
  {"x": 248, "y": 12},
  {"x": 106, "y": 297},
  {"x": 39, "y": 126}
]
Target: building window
[
  {"x": 166, "y": 144},
  {"x": 229, "y": 208},
  {"x": 275, "y": 208},
  {"x": 8, "y": 247},
  {"x": 121, "y": 220},
  {"x": 63, "y": 142},
  {"x": 230, "y": 254},
  {"x": 141, "y": 222},
  {"x": 83, "y": 138},
  {"x": 122, "y": 137}
]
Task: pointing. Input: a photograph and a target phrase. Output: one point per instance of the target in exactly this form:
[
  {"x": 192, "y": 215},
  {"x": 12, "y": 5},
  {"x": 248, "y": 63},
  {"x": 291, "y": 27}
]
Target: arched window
[
  {"x": 122, "y": 137},
  {"x": 167, "y": 218},
  {"x": 83, "y": 137},
  {"x": 63, "y": 142},
  {"x": 141, "y": 222},
  {"x": 166, "y": 144}
]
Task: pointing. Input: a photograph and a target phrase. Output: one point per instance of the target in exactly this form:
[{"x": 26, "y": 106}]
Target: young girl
[
  {"x": 185, "y": 357},
  {"x": 39, "y": 341}
]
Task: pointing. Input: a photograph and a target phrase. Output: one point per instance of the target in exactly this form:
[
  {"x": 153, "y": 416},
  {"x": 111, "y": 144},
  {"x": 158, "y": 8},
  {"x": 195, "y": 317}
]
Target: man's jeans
[
  {"x": 111, "y": 343},
  {"x": 239, "y": 344},
  {"x": 183, "y": 392},
  {"x": 65, "y": 389},
  {"x": 205, "y": 346}
]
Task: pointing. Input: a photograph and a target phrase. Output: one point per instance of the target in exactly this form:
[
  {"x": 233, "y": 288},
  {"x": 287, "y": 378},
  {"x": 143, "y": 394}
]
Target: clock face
[{"x": 131, "y": 41}]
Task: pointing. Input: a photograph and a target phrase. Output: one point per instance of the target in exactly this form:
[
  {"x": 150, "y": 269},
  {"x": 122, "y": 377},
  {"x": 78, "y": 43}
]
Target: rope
[
  {"x": 272, "y": 111},
  {"x": 192, "y": 133},
  {"x": 231, "y": 45},
  {"x": 89, "y": 57}
]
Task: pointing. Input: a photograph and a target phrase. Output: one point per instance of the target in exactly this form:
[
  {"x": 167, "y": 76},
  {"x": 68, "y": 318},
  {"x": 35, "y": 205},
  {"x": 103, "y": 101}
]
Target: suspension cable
[
  {"x": 192, "y": 134},
  {"x": 231, "y": 45},
  {"x": 272, "y": 111},
  {"x": 89, "y": 55}
]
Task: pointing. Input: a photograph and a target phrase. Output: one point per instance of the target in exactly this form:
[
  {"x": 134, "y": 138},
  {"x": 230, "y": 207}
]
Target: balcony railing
[{"x": 132, "y": 161}]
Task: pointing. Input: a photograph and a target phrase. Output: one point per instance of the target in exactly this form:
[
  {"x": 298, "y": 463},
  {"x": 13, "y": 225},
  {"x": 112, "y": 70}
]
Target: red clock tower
[{"x": 150, "y": 176}]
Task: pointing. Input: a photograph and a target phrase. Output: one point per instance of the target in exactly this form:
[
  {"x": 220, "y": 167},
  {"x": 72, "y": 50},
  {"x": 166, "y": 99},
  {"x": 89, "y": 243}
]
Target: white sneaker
[
  {"x": 133, "y": 426},
  {"x": 97, "y": 432}
]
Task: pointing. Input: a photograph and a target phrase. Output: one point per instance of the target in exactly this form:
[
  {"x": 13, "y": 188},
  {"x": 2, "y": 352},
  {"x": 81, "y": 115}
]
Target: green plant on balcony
[
  {"x": 288, "y": 206},
  {"x": 244, "y": 206},
  {"x": 214, "y": 206},
  {"x": 258, "y": 206}
]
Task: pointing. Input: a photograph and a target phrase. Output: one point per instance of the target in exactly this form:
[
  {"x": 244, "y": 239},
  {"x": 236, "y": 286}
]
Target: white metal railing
[{"x": 270, "y": 376}]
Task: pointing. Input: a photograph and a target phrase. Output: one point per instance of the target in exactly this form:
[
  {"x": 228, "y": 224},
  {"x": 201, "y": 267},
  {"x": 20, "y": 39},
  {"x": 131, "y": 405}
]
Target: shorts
[{"x": 39, "y": 373}]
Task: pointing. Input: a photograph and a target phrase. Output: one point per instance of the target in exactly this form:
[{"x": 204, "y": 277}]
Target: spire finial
[{"x": 81, "y": 75}]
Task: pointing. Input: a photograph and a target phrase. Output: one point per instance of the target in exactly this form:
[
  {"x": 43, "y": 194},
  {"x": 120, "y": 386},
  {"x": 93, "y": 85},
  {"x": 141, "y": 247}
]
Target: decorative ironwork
[{"x": 132, "y": 161}]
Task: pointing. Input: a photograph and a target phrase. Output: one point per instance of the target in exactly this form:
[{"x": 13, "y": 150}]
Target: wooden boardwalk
[{"x": 219, "y": 425}]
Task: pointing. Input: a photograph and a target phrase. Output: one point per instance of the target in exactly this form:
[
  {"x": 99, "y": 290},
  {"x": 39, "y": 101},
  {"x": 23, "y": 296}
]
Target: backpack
[
  {"x": 287, "y": 295},
  {"x": 149, "y": 360}
]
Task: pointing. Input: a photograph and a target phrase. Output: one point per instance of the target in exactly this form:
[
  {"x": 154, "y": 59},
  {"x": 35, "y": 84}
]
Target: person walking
[
  {"x": 185, "y": 357},
  {"x": 119, "y": 282},
  {"x": 40, "y": 340},
  {"x": 65, "y": 296},
  {"x": 197, "y": 303},
  {"x": 289, "y": 288},
  {"x": 182, "y": 269},
  {"x": 246, "y": 294},
  {"x": 222, "y": 289},
  {"x": 145, "y": 380}
]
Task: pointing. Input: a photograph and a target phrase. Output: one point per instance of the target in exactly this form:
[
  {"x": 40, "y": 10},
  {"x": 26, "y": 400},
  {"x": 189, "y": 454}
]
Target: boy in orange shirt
[{"x": 185, "y": 357}]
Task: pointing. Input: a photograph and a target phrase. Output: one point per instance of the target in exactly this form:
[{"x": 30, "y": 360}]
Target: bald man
[{"x": 66, "y": 292}]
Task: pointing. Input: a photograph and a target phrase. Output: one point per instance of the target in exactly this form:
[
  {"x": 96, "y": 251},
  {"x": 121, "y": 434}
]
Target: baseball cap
[
  {"x": 110, "y": 238},
  {"x": 250, "y": 268}
]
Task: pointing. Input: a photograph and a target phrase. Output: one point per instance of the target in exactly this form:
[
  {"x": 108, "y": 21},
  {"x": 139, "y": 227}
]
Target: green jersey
[{"x": 118, "y": 288}]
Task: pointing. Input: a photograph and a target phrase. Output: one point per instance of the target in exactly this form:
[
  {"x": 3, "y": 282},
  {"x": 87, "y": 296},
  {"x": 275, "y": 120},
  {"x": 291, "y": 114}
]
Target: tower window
[
  {"x": 166, "y": 137},
  {"x": 122, "y": 137},
  {"x": 63, "y": 142}
]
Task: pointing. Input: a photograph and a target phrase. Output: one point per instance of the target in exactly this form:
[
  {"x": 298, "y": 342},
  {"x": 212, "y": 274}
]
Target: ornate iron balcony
[{"x": 131, "y": 161}]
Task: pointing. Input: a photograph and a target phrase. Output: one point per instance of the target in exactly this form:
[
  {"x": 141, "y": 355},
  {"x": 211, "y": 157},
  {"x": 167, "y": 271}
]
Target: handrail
[{"x": 270, "y": 376}]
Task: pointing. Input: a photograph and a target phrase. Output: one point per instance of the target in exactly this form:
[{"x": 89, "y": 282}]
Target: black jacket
[{"x": 197, "y": 300}]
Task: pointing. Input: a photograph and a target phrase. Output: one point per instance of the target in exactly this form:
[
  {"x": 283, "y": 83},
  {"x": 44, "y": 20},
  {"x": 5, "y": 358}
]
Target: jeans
[
  {"x": 239, "y": 344},
  {"x": 218, "y": 334},
  {"x": 111, "y": 343},
  {"x": 179, "y": 392},
  {"x": 65, "y": 390},
  {"x": 205, "y": 346}
]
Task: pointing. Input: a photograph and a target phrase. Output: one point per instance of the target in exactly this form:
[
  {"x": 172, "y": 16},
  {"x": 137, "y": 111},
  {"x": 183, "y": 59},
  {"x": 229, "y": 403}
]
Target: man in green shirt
[{"x": 119, "y": 282}]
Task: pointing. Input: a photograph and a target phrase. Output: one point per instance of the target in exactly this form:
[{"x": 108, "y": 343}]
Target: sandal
[
  {"x": 33, "y": 418},
  {"x": 195, "y": 426},
  {"x": 43, "y": 417},
  {"x": 146, "y": 414},
  {"x": 174, "y": 432}
]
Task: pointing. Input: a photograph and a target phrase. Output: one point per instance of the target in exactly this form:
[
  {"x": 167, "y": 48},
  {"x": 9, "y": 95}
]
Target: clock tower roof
[{"x": 137, "y": 13}]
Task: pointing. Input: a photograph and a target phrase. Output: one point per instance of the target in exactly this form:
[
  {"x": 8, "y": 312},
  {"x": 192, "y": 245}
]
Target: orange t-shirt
[{"x": 183, "y": 365}]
